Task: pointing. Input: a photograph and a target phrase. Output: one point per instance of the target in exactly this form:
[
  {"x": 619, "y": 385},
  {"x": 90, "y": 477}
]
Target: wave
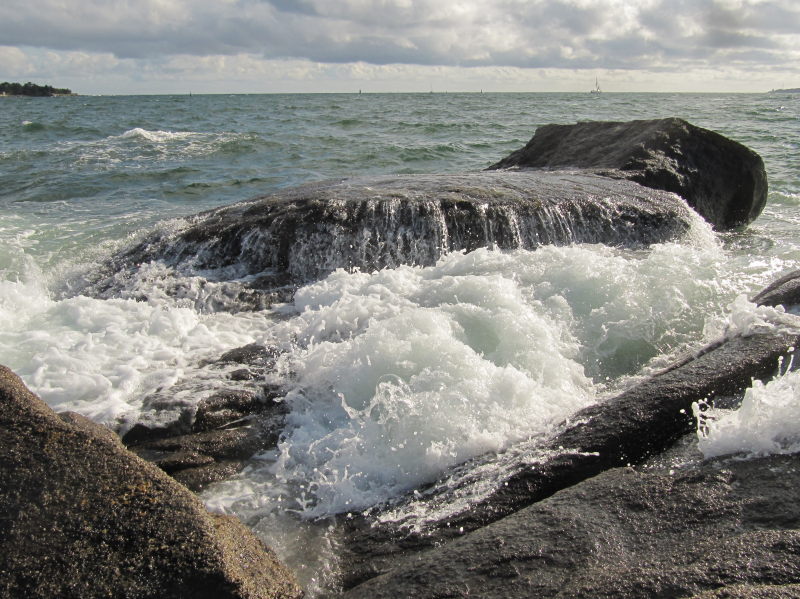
[
  {"x": 32, "y": 126},
  {"x": 765, "y": 423},
  {"x": 156, "y": 136},
  {"x": 394, "y": 377}
]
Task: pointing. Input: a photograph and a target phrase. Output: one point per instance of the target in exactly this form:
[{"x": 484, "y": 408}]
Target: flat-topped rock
[
  {"x": 724, "y": 181},
  {"x": 304, "y": 233}
]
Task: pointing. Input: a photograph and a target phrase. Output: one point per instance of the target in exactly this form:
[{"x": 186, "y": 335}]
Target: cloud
[
  {"x": 15, "y": 62},
  {"x": 522, "y": 34}
]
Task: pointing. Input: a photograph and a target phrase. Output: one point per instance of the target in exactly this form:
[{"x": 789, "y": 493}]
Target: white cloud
[
  {"x": 237, "y": 37},
  {"x": 15, "y": 62}
]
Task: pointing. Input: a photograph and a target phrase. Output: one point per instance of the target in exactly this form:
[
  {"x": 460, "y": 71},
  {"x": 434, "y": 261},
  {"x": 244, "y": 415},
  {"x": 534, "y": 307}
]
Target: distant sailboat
[{"x": 596, "y": 89}]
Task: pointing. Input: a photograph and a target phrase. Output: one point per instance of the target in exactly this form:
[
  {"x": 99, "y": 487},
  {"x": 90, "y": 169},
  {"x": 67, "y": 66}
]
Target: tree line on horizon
[{"x": 31, "y": 89}]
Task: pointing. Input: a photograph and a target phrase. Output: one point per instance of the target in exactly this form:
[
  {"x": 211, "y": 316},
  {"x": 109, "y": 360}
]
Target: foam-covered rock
[
  {"x": 304, "y": 233},
  {"x": 641, "y": 422}
]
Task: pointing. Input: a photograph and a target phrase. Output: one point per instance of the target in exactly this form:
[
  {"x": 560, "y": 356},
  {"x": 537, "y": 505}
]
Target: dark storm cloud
[{"x": 523, "y": 33}]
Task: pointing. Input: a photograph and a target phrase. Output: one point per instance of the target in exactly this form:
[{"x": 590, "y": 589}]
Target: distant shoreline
[
  {"x": 32, "y": 90},
  {"x": 4, "y": 95},
  {"x": 791, "y": 90}
]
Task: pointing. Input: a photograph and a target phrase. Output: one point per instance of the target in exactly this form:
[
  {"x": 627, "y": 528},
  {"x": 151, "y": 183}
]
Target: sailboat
[{"x": 596, "y": 89}]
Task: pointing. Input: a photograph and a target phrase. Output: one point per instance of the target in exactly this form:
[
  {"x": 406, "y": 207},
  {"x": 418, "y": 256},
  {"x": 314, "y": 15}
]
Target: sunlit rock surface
[{"x": 83, "y": 517}]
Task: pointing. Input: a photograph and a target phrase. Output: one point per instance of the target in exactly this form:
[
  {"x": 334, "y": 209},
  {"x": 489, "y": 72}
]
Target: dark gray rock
[
  {"x": 226, "y": 408},
  {"x": 784, "y": 291},
  {"x": 256, "y": 359},
  {"x": 230, "y": 427},
  {"x": 717, "y": 529},
  {"x": 84, "y": 517},
  {"x": 723, "y": 180},
  {"x": 204, "y": 457},
  {"x": 251, "y": 354},
  {"x": 301, "y": 234},
  {"x": 212, "y": 440},
  {"x": 627, "y": 429}
]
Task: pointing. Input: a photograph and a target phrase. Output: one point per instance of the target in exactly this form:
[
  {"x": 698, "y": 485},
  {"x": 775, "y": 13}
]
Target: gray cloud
[{"x": 519, "y": 33}]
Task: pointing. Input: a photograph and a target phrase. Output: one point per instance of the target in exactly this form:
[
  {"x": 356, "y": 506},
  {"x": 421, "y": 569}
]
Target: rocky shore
[{"x": 621, "y": 503}]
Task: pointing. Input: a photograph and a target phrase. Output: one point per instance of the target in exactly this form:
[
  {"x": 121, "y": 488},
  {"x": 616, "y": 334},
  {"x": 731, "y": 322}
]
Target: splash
[{"x": 764, "y": 424}]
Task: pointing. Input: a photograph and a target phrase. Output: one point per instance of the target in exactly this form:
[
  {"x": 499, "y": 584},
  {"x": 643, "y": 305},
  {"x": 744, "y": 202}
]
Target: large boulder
[
  {"x": 722, "y": 179},
  {"x": 83, "y": 517},
  {"x": 304, "y": 233},
  {"x": 710, "y": 529}
]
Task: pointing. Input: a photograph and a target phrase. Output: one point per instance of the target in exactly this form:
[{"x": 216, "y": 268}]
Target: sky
[{"x": 266, "y": 46}]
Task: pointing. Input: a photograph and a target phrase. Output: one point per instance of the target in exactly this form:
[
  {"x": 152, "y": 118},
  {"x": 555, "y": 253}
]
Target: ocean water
[{"x": 390, "y": 378}]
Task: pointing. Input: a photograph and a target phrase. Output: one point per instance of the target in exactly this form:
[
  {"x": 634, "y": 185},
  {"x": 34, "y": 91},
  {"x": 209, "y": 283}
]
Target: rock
[
  {"x": 225, "y": 408},
  {"x": 251, "y": 354},
  {"x": 304, "y": 233},
  {"x": 747, "y": 591},
  {"x": 724, "y": 181},
  {"x": 205, "y": 457},
  {"x": 140, "y": 433},
  {"x": 256, "y": 358},
  {"x": 627, "y": 429},
  {"x": 784, "y": 291},
  {"x": 229, "y": 428},
  {"x": 713, "y": 529},
  {"x": 212, "y": 440},
  {"x": 84, "y": 517}
]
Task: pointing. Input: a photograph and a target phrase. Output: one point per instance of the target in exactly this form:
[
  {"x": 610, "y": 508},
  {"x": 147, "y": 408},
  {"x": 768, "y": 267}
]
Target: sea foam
[
  {"x": 765, "y": 423},
  {"x": 393, "y": 377},
  {"x": 766, "y": 420},
  {"x": 103, "y": 358}
]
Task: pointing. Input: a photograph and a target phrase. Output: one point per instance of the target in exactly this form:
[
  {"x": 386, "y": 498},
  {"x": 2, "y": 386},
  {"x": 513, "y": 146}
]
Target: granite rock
[{"x": 84, "y": 517}]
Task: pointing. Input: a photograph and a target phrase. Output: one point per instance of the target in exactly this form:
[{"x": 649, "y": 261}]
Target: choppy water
[{"x": 391, "y": 377}]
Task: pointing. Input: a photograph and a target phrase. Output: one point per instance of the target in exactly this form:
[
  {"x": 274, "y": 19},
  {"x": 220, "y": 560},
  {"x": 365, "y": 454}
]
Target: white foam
[
  {"x": 138, "y": 144},
  {"x": 396, "y": 376},
  {"x": 156, "y": 136},
  {"x": 767, "y": 422},
  {"x": 101, "y": 358}
]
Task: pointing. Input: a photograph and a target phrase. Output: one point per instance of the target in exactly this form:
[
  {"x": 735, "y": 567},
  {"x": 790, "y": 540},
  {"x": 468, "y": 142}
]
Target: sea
[{"x": 390, "y": 378}]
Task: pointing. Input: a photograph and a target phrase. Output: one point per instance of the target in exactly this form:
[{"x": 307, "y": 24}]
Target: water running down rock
[{"x": 302, "y": 234}]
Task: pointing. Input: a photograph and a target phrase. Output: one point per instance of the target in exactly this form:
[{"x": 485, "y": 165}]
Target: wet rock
[
  {"x": 140, "y": 433},
  {"x": 212, "y": 440},
  {"x": 724, "y": 181},
  {"x": 84, "y": 517},
  {"x": 713, "y": 529},
  {"x": 304, "y": 233},
  {"x": 170, "y": 414},
  {"x": 258, "y": 360},
  {"x": 229, "y": 428},
  {"x": 784, "y": 291},
  {"x": 226, "y": 407},
  {"x": 627, "y": 429},
  {"x": 251, "y": 354}
]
